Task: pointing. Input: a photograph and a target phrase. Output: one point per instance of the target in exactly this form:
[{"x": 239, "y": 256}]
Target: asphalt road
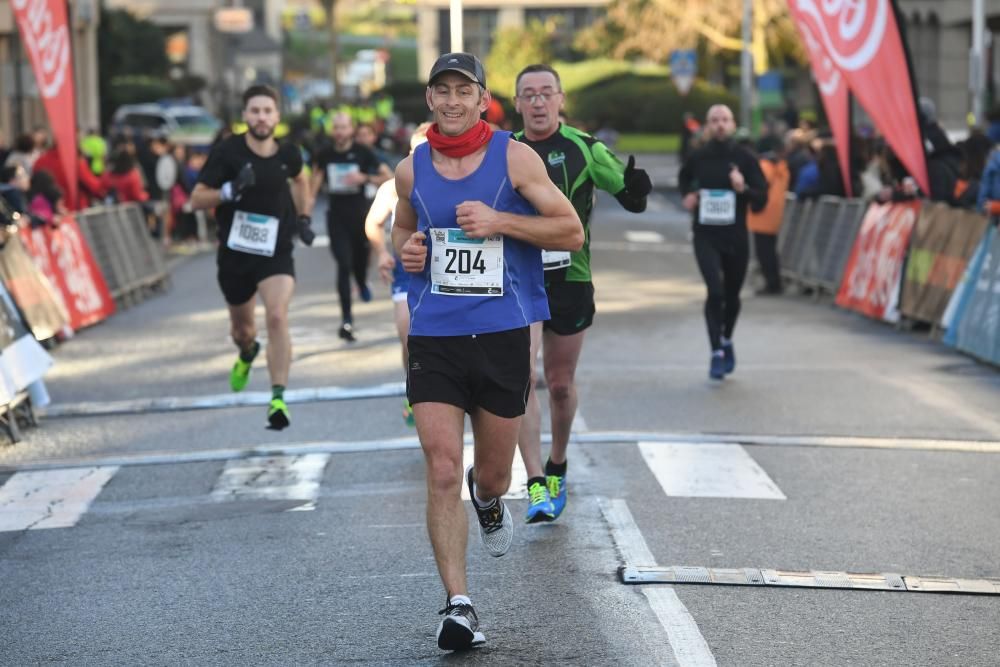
[{"x": 839, "y": 444}]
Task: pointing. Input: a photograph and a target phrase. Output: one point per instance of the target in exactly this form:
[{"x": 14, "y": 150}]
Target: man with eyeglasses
[{"x": 577, "y": 163}]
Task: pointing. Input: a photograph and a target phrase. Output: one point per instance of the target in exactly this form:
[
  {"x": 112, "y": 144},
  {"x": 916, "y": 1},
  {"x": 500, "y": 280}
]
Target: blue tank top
[{"x": 434, "y": 198}]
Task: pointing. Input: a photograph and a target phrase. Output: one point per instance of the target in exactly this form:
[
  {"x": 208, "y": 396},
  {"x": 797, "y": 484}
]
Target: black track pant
[
  {"x": 722, "y": 260},
  {"x": 766, "y": 247},
  {"x": 349, "y": 245}
]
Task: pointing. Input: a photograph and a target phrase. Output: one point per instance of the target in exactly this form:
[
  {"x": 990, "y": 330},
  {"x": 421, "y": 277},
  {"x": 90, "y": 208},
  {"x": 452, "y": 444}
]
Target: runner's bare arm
[
  {"x": 406, "y": 240},
  {"x": 556, "y": 227},
  {"x": 315, "y": 181},
  {"x": 302, "y": 194},
  {"x": 382, "y": 205},
  {"x": 383, "y": 175},
  {"x": 205, "y": 197}
]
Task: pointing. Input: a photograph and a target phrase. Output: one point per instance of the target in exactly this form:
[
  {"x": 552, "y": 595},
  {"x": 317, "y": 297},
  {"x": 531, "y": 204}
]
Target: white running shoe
[{"x": 496, "y": 526}]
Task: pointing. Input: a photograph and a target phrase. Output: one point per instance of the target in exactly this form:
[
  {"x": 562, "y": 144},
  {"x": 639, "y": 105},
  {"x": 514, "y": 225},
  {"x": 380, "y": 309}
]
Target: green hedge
[
  {"x": 634, "y": 103},
  {"x": 628, "y": 102}
]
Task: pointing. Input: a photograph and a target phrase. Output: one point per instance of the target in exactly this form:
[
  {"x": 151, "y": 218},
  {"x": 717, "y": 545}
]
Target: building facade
[
  {"x": 21, "y": 108},
  {"x": 939, "y": 35}
]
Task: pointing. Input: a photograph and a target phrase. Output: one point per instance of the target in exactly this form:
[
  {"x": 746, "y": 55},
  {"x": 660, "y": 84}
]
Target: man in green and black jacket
[{"x": 577, "y": 163}]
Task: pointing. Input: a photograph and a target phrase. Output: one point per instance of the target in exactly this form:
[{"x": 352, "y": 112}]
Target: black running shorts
[
  {"x": 488, "y": 371},
  {"x": 571, "y": 305},
  {"x": 239, "y": 279}
]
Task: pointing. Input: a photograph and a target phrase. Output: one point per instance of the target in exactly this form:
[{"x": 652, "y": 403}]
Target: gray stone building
[
  {"x": 939, "y": 35},
  {"x": 21, "y": 109}
]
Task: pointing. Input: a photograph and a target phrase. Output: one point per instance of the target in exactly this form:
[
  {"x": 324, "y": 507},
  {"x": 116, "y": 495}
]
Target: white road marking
[
  {"x": 50, "y": 499},
  {"x": 518, "y": 476},
  {"x": 701, "y": 470},
  {"x": 579, "y": 425},
  {"x": 634, "y": 236},
  {"x": 689, "y": 646},
  {"x": 684, "y": 248},
  {"x": 592, "y": 437},
  {"x": 227, "y": 400},
  {"x": 273, "y": 478},
  {"x": 938, "y": 396}
]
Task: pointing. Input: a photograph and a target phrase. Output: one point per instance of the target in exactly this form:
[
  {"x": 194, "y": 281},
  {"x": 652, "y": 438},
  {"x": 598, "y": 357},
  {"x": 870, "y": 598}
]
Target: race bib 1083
[{"x": 253, "y": 233}]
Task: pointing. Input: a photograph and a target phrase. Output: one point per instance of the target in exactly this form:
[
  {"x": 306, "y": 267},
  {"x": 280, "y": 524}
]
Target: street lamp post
[
  {"x": 746, "y": 66},
  {"x": 977, "y": 69},
  {"x": 455, "y": 18}
]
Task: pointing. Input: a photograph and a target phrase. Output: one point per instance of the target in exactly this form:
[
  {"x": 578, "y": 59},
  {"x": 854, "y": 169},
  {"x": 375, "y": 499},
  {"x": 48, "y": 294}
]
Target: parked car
[{"x": 186, "y": 124}]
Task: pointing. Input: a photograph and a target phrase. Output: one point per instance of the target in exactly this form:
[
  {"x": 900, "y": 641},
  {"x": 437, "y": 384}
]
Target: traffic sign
[{"x": 683, "y": 68}]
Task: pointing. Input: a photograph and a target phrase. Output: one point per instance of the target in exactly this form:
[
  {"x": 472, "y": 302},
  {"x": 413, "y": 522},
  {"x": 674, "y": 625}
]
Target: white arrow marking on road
[
  {"x": 689, "y": 646},
  {"x": 273, "y": 478},
  {"x": 699, "y": 470},
  {"x": 50, "y": 499},
  {"x": 634, "y": 236}
]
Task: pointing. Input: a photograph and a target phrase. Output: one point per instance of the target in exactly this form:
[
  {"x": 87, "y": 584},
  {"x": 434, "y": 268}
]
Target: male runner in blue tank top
[{"x": 474, "y": 210}]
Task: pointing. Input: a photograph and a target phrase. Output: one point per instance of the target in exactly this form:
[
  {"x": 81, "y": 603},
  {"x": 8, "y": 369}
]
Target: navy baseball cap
[{"x": 464, "y": 63}]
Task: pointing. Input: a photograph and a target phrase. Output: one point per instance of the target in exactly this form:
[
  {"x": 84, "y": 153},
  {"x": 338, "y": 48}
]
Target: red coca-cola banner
[
  {"x": 873, "y": 272},
  {"x": 862, "y": 41},
  {"x": 833, "y": 91},
  {"x": 45, "y": 35},
  {"x": 62, "y": 254}
]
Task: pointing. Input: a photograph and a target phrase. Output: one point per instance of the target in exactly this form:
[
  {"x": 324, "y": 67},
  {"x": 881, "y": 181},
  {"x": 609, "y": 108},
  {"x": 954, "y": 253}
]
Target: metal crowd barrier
[
  {"x": 816, "y": 239},
  {"x": 130, "y": 260}
]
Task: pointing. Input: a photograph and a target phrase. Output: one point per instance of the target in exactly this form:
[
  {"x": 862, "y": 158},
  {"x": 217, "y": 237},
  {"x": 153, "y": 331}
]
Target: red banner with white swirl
[
  {"x": 45, "y": 35},
  {"x": 833, "y": 91},
  {"x": 861, "y": 39}
]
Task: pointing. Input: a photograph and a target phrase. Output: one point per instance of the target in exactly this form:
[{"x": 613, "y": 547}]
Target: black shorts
[
  {"x": 239, "y": 278},
  {"x": 571, "y": 306},
  {"x": 489, "y": 371}
]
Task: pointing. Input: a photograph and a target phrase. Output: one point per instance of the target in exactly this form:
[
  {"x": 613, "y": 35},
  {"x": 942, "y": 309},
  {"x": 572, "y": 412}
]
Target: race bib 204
[{"x": 463, "y": 266}]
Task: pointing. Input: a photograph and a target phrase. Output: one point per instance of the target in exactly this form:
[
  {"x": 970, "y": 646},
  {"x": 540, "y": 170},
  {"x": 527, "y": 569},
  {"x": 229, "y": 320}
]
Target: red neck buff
[{"x": 464, "y": 144}]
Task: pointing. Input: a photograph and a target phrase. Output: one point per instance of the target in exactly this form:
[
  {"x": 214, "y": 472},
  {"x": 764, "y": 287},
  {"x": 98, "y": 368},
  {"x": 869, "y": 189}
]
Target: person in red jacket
[
  {"x": 88, "y": 188},
  {"x": 124, "y": 179}
]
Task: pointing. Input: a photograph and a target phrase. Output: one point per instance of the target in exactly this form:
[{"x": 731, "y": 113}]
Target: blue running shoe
[
  {"x": 557, "y": 492},
  {"x": 729, "y": 355},
  {"x": 365, "y": 292},
  {"x": 717, "y": 370},
  {"x": 540, "y": 507}
]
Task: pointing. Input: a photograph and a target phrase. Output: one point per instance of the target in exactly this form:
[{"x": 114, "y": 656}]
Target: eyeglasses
[{"x": 544, "y": 97}]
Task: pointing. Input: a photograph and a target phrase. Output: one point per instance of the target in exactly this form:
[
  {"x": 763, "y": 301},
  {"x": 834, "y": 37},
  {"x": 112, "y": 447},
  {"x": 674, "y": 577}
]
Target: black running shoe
[
  {"x": 460, "y": 628},
  {"x": 346, "y": 332}
]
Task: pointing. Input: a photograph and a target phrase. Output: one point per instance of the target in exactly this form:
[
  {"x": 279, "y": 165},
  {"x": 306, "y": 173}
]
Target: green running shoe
[
  {"x": 277, "y": 415},
  {"x": 240, "y": 375},
  {"x": 408, "y": 414}
]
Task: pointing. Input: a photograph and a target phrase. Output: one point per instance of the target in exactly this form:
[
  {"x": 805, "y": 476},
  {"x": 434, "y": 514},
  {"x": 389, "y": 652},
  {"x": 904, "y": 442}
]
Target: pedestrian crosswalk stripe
[
  {"x": 518, "y": 476},
  {"x": 50, "y": 498},
  {"x": 685, "y": 639},
  {"x": 703, "y": 470},
  {"x": 272, "y": 478}
]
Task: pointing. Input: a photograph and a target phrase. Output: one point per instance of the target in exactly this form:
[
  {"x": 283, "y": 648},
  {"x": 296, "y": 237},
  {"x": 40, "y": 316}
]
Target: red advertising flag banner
[
  {"x": 87, "y": 296},
  {"x": 45, "y": 35},
  {"x": 62, "y": 254},
  {"x": 875, "y": 267},
  {"x": 833, "y": 91},
  {"x": 862, "y": 40}
]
